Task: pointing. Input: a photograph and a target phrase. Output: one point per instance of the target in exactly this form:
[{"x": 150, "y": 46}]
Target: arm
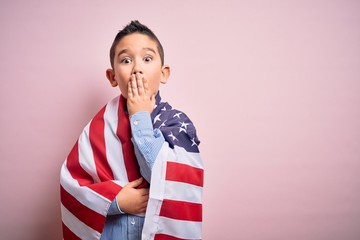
[
  {"x": 177, "y": 173},
  {"x": 130, "y": 199},
  {"x": 147, "y": 141}
]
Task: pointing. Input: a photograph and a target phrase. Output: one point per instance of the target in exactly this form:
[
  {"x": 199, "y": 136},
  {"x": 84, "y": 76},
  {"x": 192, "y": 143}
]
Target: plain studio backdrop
[{"x": 273, "y": 88}]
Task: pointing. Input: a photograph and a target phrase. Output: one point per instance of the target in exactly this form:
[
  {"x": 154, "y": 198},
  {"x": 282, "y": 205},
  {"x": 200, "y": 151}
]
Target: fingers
[
  {"x": 137, "y": 86},
  {"x": 132, "y": 200},
  {"x": 146, "y": 86},
  {"x": 143, "y": 208},
  {"x": 135, "y": 183},
  {"x": 133, "y": 84},
  {"x": 139, "y": 95},
  {"x": 143, "y": 204},
  {"x": 144, "y": 191},
  {"x": 130, "y": 93},
  {"x": 142, "y": 200},
  {"x": 139, "y": 82}
]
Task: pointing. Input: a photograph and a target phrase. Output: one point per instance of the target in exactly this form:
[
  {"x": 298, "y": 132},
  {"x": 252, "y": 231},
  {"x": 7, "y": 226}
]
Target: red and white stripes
[
  {"x": 88, "y": 184},
  {"x": 102, "y": 161},
  {"x": 175, "y": 205}
]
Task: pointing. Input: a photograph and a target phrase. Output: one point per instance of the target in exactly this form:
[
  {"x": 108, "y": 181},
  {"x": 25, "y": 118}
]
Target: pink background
[{"x": 272, "y": 86}]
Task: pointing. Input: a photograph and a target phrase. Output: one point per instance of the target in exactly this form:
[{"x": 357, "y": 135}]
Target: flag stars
[
  {"x": 163, "y": 109},
  {"x": 172, "y": 136},
  {"x": 163, "y": 124},
  {"x": 157, "y": 118},
  {"x": 182, "y": 130},
  {"x": 177, "y": 114},
  {"x": 193, "y": 142},
  {"x": 184, "y": 125}
]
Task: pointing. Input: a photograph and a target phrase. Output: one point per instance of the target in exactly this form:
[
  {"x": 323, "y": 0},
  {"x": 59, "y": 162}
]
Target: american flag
[{"x": 102, "y": 161}]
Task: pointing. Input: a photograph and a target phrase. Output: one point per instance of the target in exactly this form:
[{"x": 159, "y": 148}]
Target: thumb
[{"x": 136, "y": 182}]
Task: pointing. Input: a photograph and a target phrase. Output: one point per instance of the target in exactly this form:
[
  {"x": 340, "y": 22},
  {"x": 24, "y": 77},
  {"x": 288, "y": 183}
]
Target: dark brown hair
[{"x": 135, "y": 27}]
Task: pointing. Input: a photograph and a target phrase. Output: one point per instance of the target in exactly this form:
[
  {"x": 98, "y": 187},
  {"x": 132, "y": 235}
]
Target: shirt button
[{"x": 136, "y": 122}]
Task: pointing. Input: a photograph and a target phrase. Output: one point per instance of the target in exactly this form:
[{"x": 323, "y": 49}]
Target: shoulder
[
  {"x": 109, "y": 112},
  {"x": 165, "y": 115},
  {"x": 176, "y": 127}
]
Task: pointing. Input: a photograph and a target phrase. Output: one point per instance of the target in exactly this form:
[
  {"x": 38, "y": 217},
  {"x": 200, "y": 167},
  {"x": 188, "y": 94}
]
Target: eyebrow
[
  {"x": 127, "y": 50},
  {"x": 150, "y": 49}
]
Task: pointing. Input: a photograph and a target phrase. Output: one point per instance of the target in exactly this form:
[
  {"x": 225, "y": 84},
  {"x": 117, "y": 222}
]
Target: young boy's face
[{"x": 137, "y": 53}]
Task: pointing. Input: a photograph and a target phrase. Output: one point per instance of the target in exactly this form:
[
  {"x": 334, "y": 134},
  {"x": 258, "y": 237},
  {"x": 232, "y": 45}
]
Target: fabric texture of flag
[{"x": 102, "y": 161}]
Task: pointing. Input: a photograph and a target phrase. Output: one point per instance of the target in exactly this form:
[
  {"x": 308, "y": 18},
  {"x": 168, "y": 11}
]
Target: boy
[{"x": 134, "y": 140}]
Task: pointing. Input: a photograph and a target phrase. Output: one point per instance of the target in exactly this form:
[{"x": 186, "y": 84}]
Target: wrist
[
  {"x": 118, "y": 206},
  {"x": 135, "y": 111},
  {"x": 140, "y": 121}
]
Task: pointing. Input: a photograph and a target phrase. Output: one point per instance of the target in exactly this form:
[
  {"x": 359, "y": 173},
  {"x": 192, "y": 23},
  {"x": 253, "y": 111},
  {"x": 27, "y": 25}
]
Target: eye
[
  {"x": 126, "y": 60},
  {"x": 148, "y": 59}
]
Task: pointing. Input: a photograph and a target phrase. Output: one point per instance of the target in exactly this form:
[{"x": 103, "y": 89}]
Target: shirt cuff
[
  {"x": 141, "y": 121},
  {"x": 114, "y": 208}
]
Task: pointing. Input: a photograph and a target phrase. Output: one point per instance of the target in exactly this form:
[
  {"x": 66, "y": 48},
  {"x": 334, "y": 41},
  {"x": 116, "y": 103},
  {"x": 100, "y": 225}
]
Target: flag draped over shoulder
[{"x": 102, "y": 161}]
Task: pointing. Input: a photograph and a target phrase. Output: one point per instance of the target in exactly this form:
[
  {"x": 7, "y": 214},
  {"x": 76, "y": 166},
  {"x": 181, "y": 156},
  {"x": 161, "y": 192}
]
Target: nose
[{"x": 137, "y": 68}]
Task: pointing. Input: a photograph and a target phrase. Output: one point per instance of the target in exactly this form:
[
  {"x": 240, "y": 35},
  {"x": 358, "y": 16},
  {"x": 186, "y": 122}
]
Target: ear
[
  {"x": 165, "y": 74},
  {"x": 110, "y": 75}
]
